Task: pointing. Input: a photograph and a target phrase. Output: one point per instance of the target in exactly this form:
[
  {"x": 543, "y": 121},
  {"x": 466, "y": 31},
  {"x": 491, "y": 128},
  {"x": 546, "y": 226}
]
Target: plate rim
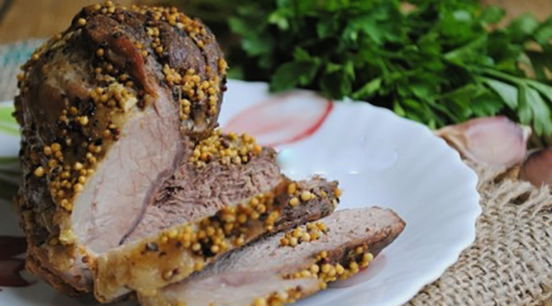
[
  {"x": 475, "y": 197},
  {"x": 471, "y": 180}
]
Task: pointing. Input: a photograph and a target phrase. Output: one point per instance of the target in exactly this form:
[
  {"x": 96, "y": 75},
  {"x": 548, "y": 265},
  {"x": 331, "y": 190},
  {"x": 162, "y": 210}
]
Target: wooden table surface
[{"x": 23, "y": 19}]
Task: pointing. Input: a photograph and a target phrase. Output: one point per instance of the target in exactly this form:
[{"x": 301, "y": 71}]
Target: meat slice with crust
[{"x": 288, "y": 266}]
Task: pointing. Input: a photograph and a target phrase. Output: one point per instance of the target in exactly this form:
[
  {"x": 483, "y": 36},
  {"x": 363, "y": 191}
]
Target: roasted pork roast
[
  {"x": 127, "y": 183},
  {"x": 288, "y": 266}
]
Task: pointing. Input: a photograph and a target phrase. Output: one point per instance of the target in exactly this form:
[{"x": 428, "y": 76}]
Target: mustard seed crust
[{"x": 265, "y": 272}]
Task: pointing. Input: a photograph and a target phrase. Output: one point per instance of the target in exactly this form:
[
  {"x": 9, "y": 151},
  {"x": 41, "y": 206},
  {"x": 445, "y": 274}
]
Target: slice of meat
[
  {"x": 172, "y": 254},
  {"x": 193, "y": 192},
  {"x": 273, "y": 272}
]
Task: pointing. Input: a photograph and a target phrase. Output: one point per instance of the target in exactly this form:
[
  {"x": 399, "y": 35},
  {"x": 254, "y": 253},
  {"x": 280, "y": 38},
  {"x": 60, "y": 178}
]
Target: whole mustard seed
[
  {"x": 292, "y": 188},
  {"x": 56, "y": 147},
  {"x": 315, "y": 268},
  {"x": 240, "y": 241},
  {"x": 83, "y": 120},
  {"x": 78, "y": 187},
  {"x": 306, "y": 196},
  {"x": 339, "y": 269},
  {"x": 367, "y": 257},
  {"x": 261, "y": 208},
  {"x": 293, "y": 241},
  {"x": 173, "y": 233},
  {"x": 297, "y": 232},
  {"x": 65, "y": 204},
  {"x": 260, "y": 302},
  {"x": 39, "y": 172},
  {"x": 294, "y": 202},
  {"x": 353, "y": 266},
  {"x": 77, "y": 166},
  {"x": 321, "y": 226}
]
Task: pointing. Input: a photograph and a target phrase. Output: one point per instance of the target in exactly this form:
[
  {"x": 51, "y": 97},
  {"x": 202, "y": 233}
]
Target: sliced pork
[{"x": 288, "y": 266}]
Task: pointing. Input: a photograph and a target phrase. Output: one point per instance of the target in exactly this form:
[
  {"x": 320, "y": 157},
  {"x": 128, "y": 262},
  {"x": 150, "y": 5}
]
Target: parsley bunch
[{"x": 437, "y": 62}]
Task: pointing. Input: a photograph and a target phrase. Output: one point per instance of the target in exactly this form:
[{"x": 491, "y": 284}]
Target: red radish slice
[
  {"x": 282, "y": 119},
  {"x": 495, "y": 141},
  {"x": 537, "y": 169}
]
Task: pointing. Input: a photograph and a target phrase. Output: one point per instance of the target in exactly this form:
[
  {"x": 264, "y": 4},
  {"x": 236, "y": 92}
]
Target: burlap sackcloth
[{"x": 510, "y": 263}]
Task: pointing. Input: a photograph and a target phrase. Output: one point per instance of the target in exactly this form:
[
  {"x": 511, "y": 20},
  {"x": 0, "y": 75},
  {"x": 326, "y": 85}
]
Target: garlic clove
[
  {"x": 537, "y": 168},
  {"x": 494, "y": 141}
]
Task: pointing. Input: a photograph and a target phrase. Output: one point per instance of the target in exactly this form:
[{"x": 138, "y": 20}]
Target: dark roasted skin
[{"x": 76, "y": 93}]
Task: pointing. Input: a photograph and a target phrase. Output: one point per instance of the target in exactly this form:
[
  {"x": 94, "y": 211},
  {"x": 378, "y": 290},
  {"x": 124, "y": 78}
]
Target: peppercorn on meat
[{"x": 288, "y": 266}]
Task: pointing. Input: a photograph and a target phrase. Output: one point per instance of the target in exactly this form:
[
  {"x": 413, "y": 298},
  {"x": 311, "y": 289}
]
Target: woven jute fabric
[{"x": 510, "y": 262}]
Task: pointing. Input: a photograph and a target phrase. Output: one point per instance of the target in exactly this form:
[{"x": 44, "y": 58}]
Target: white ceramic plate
[{"x": 377, "y": 157}]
